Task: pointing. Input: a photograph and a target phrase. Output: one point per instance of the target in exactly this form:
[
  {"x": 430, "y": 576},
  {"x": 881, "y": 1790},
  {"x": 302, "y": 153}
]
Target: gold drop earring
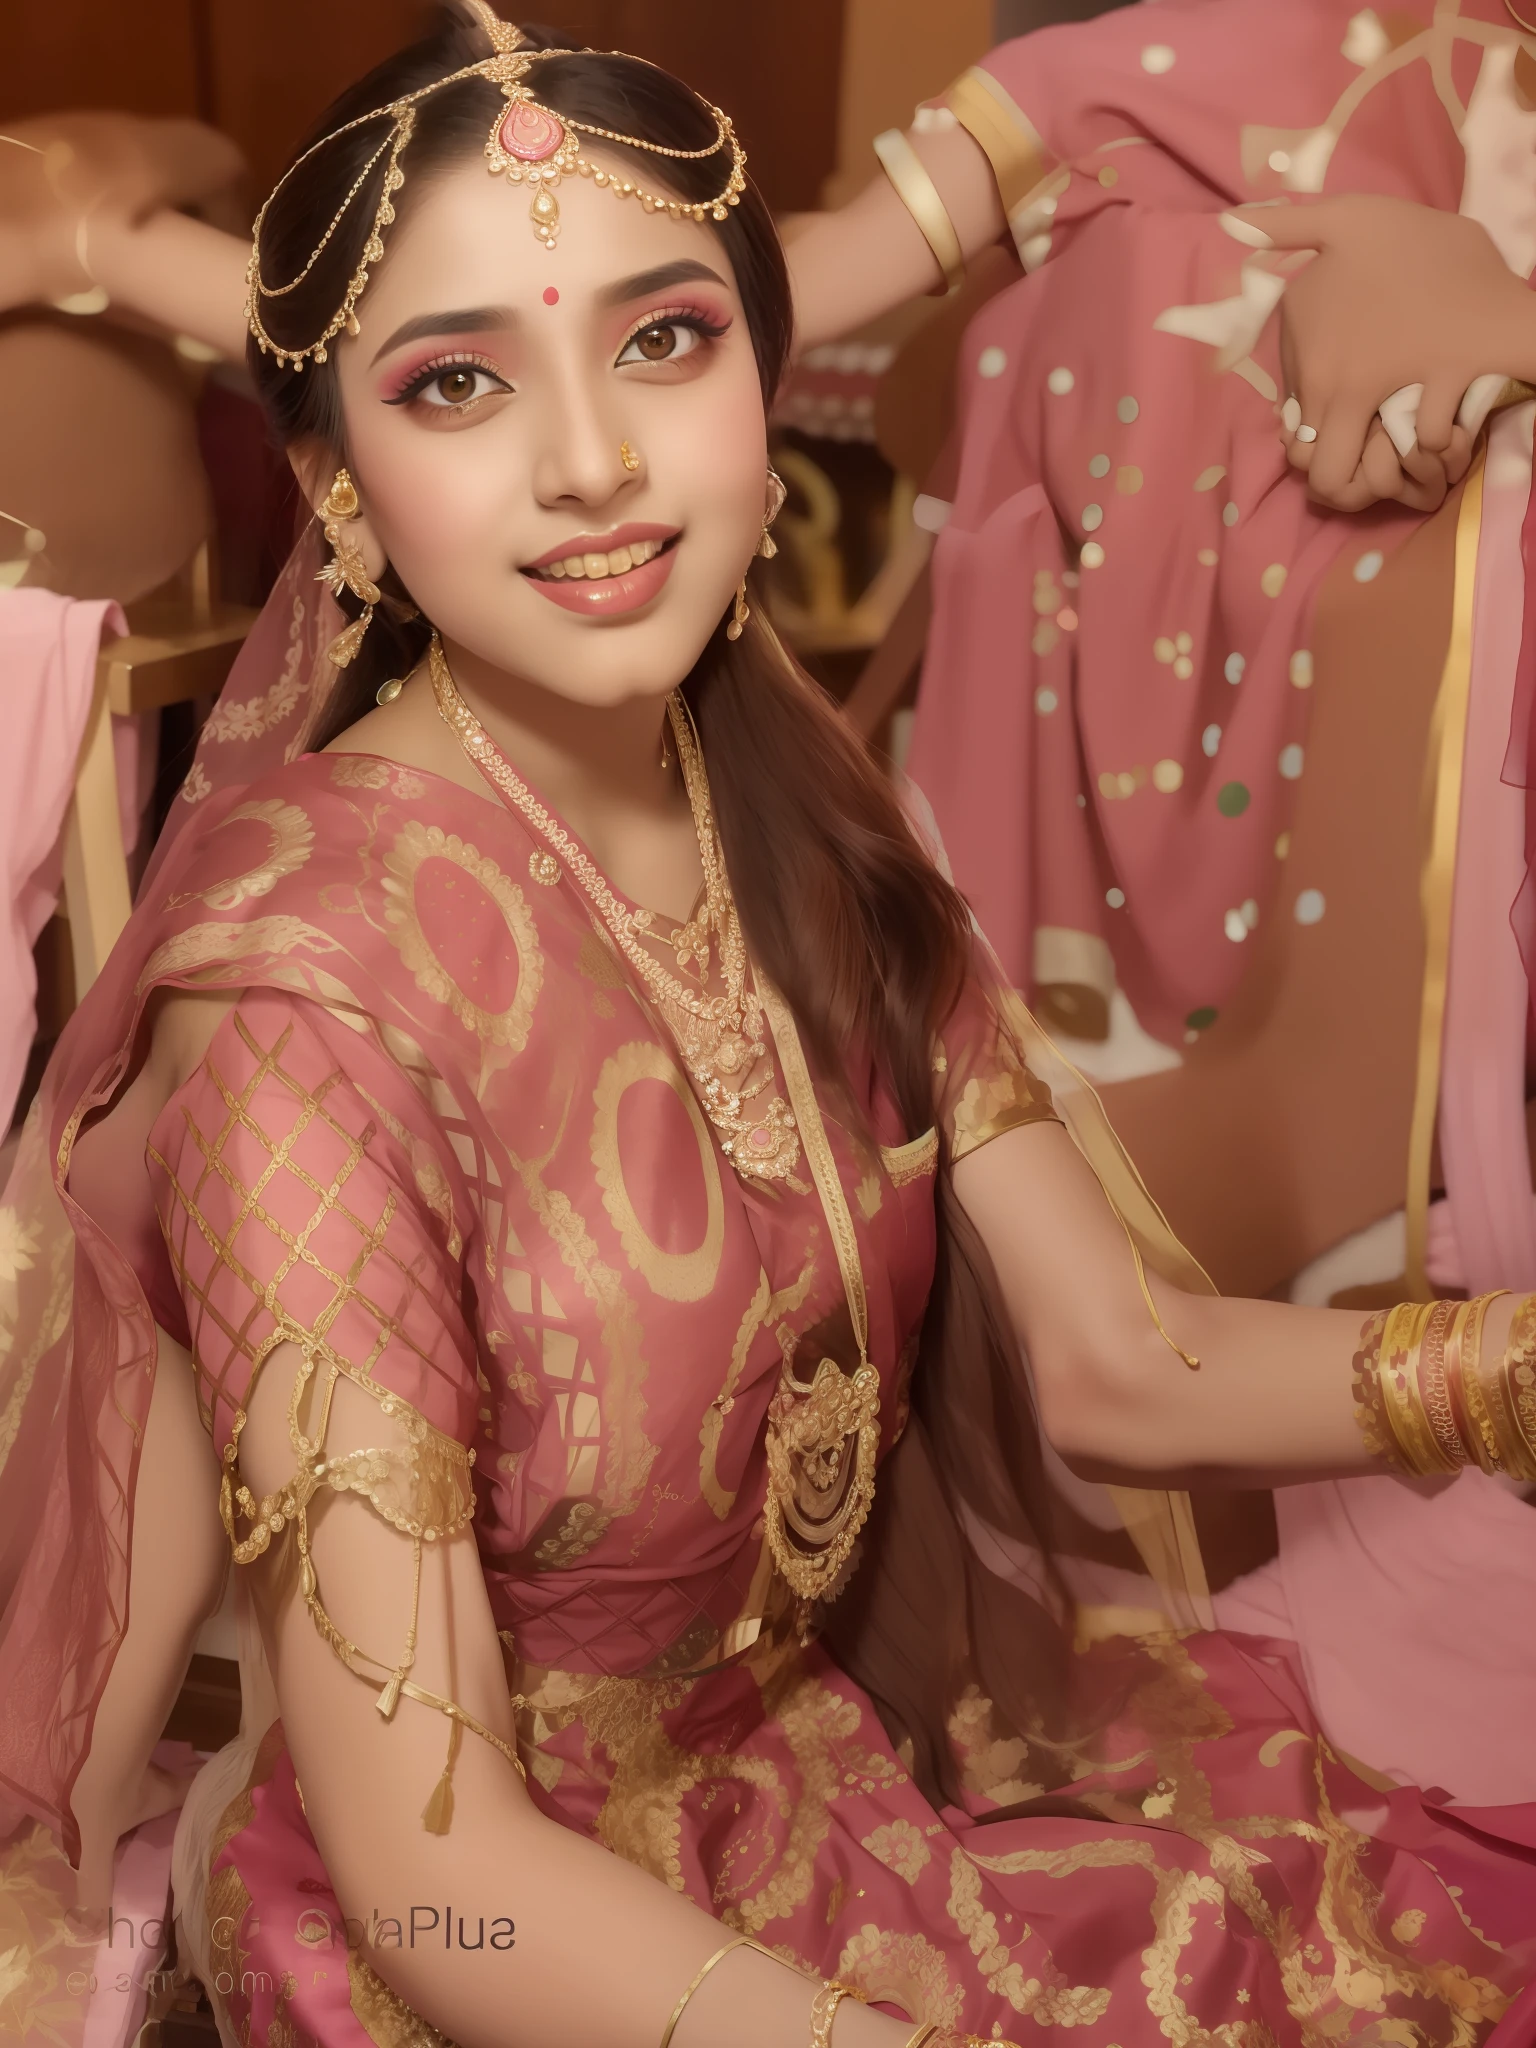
[
  {"x": 346, "y": 569},
  {"x": 767, "y": 547}
]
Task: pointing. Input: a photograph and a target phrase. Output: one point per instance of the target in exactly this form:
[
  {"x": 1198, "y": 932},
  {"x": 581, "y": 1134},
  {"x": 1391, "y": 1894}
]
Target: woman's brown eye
[
  {"x": 456, "y": 385},
  {"x": 657, "y": 343}
]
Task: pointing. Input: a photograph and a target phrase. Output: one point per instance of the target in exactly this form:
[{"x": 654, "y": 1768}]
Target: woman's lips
[{"x": 607, "y": 596}]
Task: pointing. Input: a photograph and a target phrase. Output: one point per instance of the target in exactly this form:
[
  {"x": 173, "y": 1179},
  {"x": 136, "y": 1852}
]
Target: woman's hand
[{"x": 1397, "y": 294}]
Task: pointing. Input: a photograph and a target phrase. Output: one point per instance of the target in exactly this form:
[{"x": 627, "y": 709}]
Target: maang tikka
[
  {"x": 346, "y": 569},
  {"x": 529, "y": 144},
  {"x": 767, "y": 547}
]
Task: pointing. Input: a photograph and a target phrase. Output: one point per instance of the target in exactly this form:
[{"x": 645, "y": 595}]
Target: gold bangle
[
  {"x": 989, "y": 116},
  {"x": 1511, "y": 1391},
  {"x": 1400, "y": 1375},
  {"x": 925, "y": 2034},
  {"x": 677, "y": 2010},
  {"x": 824, "y": 2010},
  {"x": 1466, "y": 1387},
  {"x": 1439, "y": 1370},
  {"x": 920, "y": 196},
  {"x": 738, "y": 1941}
]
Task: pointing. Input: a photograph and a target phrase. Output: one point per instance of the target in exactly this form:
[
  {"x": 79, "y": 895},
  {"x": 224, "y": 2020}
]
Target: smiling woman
[{"x": 554, "y": 1114}]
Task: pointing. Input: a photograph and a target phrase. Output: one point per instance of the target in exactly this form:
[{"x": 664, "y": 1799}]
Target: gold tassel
[
  {"x": 437, "y": 1814},
  {"x": 389, "y": 1698},
  {"x": 343, "y": 649}
]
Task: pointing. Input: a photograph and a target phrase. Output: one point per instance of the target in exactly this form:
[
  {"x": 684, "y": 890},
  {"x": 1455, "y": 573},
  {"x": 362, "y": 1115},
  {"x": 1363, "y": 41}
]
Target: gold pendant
[{"x": 813, "y": 1433}]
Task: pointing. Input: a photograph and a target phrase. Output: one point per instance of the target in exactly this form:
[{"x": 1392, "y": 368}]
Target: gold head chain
[{"x": 528, "y": 144}]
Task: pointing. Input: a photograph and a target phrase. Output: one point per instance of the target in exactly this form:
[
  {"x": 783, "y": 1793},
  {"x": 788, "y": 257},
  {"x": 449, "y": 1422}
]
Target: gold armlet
[
  {"x": 1427, "y": 1401},
  {"x": 920, "y": 196},
  {"x": 423, "y": 1491}
]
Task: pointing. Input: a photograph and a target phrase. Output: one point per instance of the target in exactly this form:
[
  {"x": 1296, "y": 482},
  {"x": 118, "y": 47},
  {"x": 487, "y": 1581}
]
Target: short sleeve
[
  {"x": 984, "y": 1084},
  {"x": 298, "y": 1208}
]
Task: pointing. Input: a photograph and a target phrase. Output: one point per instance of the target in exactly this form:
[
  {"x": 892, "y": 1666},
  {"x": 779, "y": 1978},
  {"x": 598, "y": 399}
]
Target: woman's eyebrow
[
  {"x": 649, "y": 284},
  {"x": 469, "y": 320}
]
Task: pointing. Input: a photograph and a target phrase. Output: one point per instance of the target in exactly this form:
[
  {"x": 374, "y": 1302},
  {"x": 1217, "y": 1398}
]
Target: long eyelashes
[
  {"x": 706, "y": 326},
  {"x": 443, "y": 366}
]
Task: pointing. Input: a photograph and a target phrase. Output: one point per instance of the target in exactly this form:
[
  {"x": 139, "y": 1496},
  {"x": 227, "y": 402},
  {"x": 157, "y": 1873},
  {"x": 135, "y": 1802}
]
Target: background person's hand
[
  {"x": 1396, "y": 294},
  {"x": 58, "y": 171}
]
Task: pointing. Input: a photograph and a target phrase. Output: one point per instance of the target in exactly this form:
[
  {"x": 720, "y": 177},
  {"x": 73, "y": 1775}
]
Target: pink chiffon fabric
[
  {"x": 1087, "y": 781},
  {"x": 48, "y": 648},
  {"x": 1113, "y": 711}
]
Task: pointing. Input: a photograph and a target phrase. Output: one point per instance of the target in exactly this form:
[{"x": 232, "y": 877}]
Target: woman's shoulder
[{"x": 315, "y": 815}]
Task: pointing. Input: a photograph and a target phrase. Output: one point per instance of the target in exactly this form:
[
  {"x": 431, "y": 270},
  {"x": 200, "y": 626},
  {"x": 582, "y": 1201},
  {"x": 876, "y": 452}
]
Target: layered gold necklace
[{"x": 721, "y": 1036}]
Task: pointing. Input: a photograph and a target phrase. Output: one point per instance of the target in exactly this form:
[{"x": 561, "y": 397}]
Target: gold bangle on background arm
[
  {"x": 990, "y": 117},
  {"x": 920, "y": 196}
]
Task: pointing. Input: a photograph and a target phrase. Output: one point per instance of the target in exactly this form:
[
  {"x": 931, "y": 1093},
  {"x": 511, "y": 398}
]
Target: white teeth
[{"x": 595, "y": 567}]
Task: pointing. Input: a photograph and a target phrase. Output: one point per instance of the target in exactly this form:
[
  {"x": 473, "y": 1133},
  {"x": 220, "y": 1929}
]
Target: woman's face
[{"x": 488, "y": 399}]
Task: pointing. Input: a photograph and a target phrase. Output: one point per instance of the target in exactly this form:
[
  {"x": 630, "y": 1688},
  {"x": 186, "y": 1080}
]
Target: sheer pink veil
[
  {"x": 77, "y": 1340},
  {"x": 276, "y": 694}
]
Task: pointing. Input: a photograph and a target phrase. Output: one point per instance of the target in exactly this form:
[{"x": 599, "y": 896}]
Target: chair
[{"x": 180, "y": 645}]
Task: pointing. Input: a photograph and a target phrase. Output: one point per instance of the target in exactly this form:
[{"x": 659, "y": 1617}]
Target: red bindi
[{"x": 551, "y": 296}]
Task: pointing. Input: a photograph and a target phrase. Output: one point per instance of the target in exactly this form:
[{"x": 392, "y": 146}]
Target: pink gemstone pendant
[{"x": 530, "y": 134}]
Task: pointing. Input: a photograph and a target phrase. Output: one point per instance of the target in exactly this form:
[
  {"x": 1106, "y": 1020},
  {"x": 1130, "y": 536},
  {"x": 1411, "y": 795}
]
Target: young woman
[{"x": 553, "y": 1179}]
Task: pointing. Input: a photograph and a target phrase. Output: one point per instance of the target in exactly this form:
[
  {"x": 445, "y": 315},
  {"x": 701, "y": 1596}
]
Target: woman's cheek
[{"x": 436, "y": 492}]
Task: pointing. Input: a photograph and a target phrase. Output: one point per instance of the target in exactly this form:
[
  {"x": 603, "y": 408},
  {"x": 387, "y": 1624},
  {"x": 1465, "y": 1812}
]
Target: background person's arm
[{"x": 850, "y": 266}]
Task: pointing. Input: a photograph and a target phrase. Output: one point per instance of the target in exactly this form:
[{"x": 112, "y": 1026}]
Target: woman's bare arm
[
  {"x": 1273, "y": 1399},
  {"x": 365, "y": 1782},
  {"x": 849, "y": 267}
]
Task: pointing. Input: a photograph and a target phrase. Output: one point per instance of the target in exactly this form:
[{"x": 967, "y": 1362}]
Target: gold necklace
[{"x": 720, "y": 1036}]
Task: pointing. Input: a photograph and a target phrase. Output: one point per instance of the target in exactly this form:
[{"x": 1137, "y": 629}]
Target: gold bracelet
[
  {"x": 824, "y": 2010},
  {"x": 1014, "y": 150},
  {"x": 925, "y": 2034},
  {"x": 1409, "y": 1329},
  {"x": 1511, "y": 1393},
  {"x": 1427, "y": 1403},
  {"x": 738, "y": 1941},
  {"x": 1465, "y": 1386},
  {"x": 920, "y": 196},
  {"x": 1439, "y": 1367}
]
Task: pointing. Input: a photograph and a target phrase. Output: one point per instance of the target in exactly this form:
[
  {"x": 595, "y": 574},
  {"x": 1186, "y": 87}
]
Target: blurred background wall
[{"x": 808, "y": 82}]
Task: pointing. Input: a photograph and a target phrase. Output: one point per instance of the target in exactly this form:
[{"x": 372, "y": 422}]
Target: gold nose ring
[{"x": 628, "y": 457}]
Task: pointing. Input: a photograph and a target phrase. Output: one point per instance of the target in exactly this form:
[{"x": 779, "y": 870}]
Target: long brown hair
[{"x": 841, "y": 907}]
